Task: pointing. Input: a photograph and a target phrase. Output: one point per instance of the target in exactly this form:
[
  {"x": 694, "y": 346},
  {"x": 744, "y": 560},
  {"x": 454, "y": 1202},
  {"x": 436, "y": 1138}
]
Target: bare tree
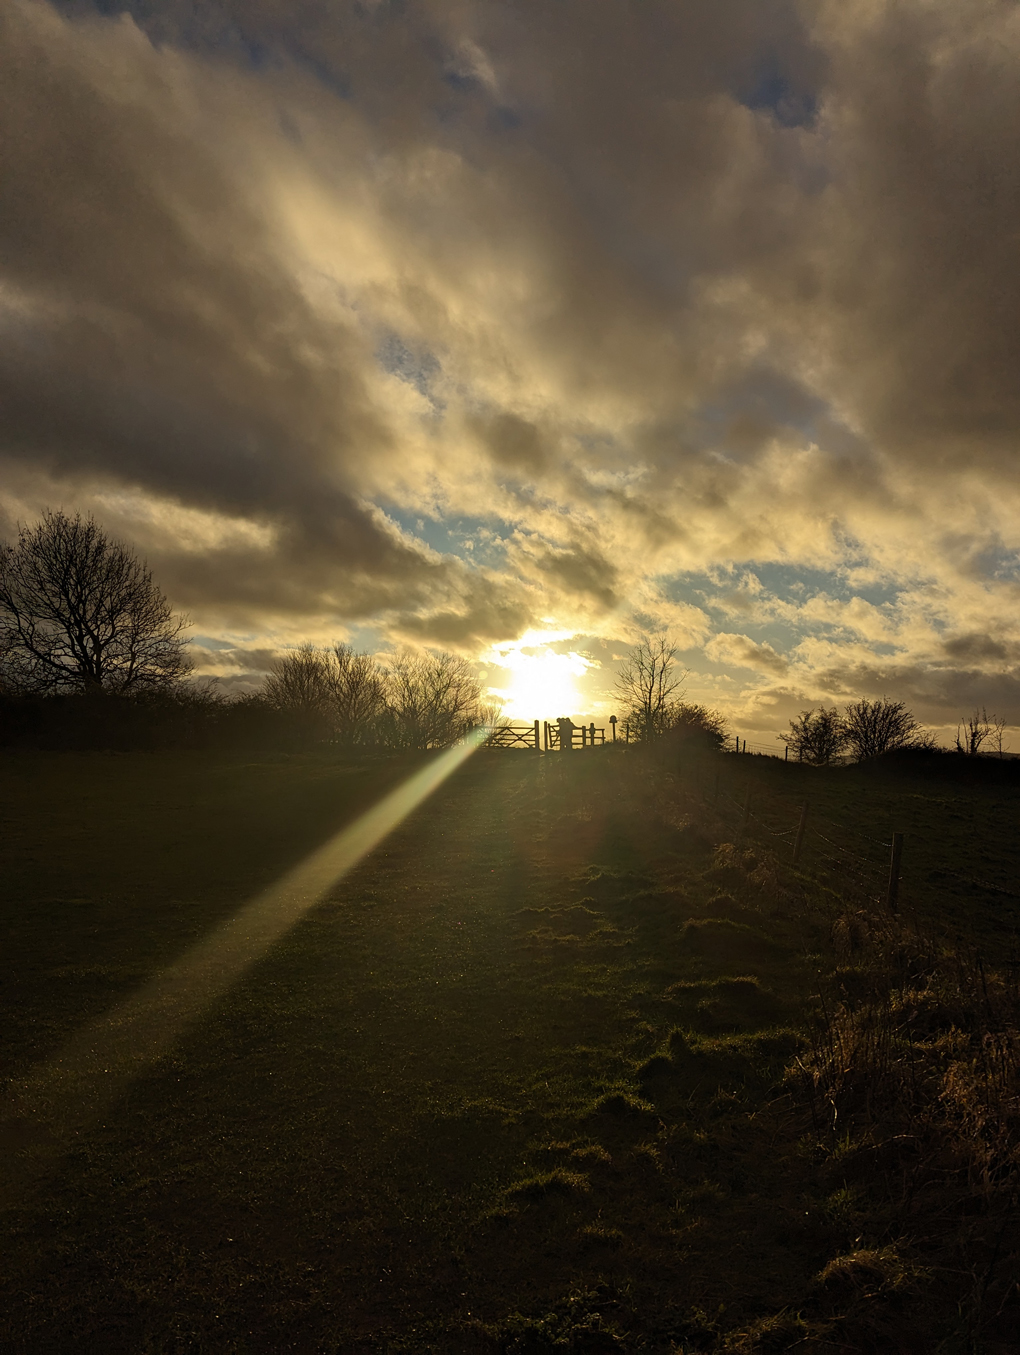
[
  {"x": 79, "y": 612},
  {"x": 876, "y": 727},
  {"x": 357, "y": 694},
  {"x": 298, "y": 682},
  {"x": 649, "y": 683},
  {"x": 339, "y": 694},
  {"x": 432, "y": 700},
  {"x": 817, "y": 737},
  {"x": 977, "y": 730}
]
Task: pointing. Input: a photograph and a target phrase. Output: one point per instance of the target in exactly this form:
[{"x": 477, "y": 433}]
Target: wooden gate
[
  {"x": 515, "y": 736},
  {"x": 581, "y": 736}
]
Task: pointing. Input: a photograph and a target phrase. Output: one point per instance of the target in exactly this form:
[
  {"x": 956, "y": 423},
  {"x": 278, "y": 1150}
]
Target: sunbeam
[{"x": 69, "y": 1091}]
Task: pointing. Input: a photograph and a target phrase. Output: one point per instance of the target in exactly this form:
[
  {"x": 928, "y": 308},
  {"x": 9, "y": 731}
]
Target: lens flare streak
[{"x": 71, "y": 1090}]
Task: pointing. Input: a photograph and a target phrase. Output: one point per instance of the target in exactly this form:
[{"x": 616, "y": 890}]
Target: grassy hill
[{"x": 576, "y": 1060}]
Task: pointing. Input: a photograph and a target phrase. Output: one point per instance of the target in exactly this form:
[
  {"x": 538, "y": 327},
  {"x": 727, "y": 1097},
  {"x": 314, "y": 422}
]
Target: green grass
[{"x": 516, "y": 1085}]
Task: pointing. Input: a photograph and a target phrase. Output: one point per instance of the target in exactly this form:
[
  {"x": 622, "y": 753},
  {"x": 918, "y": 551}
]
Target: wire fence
[{"x": 853, "y": 863}]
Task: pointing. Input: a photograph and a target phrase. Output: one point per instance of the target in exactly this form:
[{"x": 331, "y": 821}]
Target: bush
[
  {"x": 818, "y": 737},
  {"x": 876, "y": 727}
]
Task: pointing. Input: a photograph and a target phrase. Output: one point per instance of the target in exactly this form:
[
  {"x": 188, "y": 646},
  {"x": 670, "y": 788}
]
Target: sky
[{"x": 520, "y": 328}]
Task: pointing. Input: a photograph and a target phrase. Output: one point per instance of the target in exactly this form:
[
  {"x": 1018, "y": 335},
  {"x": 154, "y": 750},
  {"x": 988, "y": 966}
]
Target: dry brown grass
[{"x": 913, "y": 1082}]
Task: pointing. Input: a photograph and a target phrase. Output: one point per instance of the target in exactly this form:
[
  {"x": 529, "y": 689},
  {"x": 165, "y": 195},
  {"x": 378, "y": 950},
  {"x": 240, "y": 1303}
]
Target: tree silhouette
[
  {"x": 432, "y": 700},
  {"x": 650, "y": 684},
  {"x": 975, "y": 731},
  {"x": 338, "y": 693},
  {"x": 79, "y": 612},
  {"x": 817, "y": 737},
  {"x": 876, "y": 727}
]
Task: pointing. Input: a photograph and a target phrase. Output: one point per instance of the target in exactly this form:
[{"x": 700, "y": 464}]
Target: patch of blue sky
[
  {"x": 194, "y": 27},
  {"x": 766, "y": 607},
  {"x": 774, "y": 90},
  {"x": 997, "y": 562},
  {"x": 206, "y": 27},
  {"x": 418, "y": 367},
  {"x": 794, "y": 583},
  {"x": 474, "y": 539},
  {"x": 210, "y": 642}
]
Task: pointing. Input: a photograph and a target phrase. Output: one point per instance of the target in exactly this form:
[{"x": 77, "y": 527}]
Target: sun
[{"x": 542, "y": 684}]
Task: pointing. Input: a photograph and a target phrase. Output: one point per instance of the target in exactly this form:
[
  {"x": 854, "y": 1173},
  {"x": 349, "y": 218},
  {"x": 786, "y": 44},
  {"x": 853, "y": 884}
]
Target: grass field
[{"x": 520, "y": 1083}]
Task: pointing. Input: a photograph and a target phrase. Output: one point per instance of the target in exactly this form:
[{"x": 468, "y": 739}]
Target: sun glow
[{"x": 541, "y": 683}]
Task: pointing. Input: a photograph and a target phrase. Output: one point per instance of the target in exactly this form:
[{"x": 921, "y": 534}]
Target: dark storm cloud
[
  {"x": 981, "y": 647},
  {"x": 936, "y": 695},
  {"x": 154, "y": 337},
  {"x": 925, "y": 106}
]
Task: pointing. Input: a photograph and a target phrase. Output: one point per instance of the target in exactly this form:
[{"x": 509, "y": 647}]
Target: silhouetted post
[
  {"x": 786, "y": 753},
  {"x": 745, "y": 745},
  {"x": 612, "y": 721},
  {"x": 801, "y": 829},
  {"x": 538, "y": 747},
  {"x": 893, "y": 893},
  {"x": 737, "y": 738},
  {"x": 591, "y": 733}
]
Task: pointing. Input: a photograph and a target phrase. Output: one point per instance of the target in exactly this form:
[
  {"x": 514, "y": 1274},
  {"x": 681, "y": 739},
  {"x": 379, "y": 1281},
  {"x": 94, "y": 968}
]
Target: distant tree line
[
  {"x": 869, "y": 729},
  {"x": 92, "y": 655},
  {"x": 342, "y": 697}
]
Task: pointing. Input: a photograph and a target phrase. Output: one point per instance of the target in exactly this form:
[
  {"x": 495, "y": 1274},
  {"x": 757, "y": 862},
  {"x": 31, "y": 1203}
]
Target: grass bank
[{"x": 562, "y": 1065}]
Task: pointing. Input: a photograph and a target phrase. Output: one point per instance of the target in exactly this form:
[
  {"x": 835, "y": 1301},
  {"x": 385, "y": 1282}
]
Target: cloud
[
  {"x": 741, "y": 651},
  {"x": 709, "y": 307}
]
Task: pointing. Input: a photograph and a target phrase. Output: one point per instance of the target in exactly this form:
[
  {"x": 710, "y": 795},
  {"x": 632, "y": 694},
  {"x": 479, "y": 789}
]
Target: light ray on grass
[{"x": 43, "y": 1113}]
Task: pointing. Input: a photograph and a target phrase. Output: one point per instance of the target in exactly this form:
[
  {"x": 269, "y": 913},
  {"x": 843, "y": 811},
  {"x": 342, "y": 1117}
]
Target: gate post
[{"x": 538, "y": 746}]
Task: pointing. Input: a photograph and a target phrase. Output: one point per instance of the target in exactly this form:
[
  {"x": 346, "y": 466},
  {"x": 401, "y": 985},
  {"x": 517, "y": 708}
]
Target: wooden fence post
[
  {"x": 893, "y": 892},
  {"x": 538, "y": 746},
  {"x": 591, "y": 734},
  {"x": 801, "y": 828}
]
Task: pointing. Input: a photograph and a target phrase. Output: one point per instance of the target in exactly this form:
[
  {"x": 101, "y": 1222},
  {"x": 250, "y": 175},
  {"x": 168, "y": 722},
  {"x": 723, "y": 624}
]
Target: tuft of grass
[
  {"x": 545, "y": 1184},
  {"x": 869, "y": 1272},
  {"x": 620, "y": 1106}
]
